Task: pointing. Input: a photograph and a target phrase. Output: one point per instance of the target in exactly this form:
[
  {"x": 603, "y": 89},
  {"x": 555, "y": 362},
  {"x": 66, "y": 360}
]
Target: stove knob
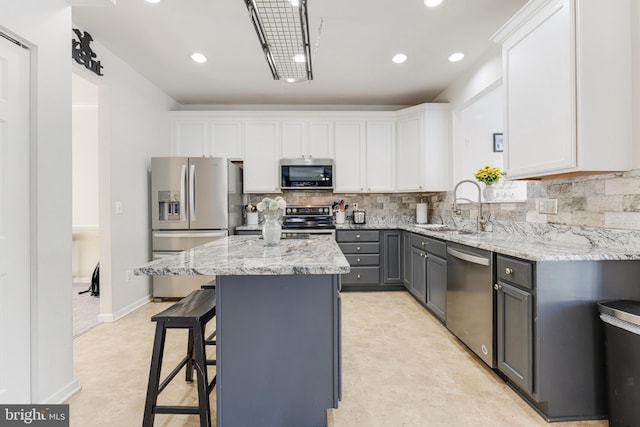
[
  {"x": 294, "y": 210},
  {"x": 325, "y": 210}
]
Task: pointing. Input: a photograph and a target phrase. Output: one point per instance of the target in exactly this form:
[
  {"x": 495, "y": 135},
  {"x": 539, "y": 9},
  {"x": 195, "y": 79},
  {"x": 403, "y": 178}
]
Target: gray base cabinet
[
  {"x": 549, "y": 335},
  {"x": 515, "y": 321},
  {"x": 375, "y": 257},
  {"x": 427, "y": 266},
  {"x": 437, "y": 286}
]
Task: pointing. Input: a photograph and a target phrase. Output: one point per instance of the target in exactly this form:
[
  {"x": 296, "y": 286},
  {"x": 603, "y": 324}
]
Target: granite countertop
[
  {"x": 533, "y": 242},
  {"x": 248, "y": 255}
]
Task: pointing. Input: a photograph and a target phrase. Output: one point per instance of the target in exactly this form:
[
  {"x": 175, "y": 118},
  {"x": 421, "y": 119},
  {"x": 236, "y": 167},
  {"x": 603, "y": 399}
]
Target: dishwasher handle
[{"x": 468, "y": 257}]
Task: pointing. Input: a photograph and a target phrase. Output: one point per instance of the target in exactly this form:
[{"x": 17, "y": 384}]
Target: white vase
[
  {"x": 271, "y": 230},
  {"x": 489, "y": 192}
]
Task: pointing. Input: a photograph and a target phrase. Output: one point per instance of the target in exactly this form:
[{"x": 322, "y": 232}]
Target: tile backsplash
[{"x": 602, "y": 201}]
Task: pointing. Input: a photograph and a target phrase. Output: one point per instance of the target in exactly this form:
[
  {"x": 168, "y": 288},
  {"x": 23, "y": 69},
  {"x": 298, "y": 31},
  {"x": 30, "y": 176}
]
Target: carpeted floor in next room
[
  {"x": 85, "y": 309},
  {"x": 400, "y": 368}
]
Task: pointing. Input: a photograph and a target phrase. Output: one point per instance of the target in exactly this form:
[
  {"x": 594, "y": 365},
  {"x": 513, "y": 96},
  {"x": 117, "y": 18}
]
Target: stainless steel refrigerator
[{"x": 194, "y": 200}]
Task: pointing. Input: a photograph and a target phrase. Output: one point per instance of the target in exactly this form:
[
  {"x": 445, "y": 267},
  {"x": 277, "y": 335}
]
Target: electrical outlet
[
  {"x": 355, "y": 206},
  {"x": 548, "y": 206},
  {"x": 128, "y": 275},
  {"x": 119, "y": 208}
]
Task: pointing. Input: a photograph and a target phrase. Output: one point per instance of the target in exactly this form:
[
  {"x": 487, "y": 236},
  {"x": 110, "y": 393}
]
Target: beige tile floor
[{"x": 400, "y": 368}]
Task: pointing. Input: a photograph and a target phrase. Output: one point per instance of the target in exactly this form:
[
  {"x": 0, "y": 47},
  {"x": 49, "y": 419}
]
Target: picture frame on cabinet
[{"x": 497, "y": 143}]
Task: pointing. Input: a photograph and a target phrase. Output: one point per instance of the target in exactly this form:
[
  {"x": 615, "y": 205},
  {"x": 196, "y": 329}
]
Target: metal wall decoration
[{"x": 82, "y": 53}]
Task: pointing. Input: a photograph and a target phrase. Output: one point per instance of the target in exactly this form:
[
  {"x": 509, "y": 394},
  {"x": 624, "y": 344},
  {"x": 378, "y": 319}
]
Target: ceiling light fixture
[
  {"x": 199, "y": 58},
  {"x": 153, "y": 1},
  {"x": 399, "y": 58},
  {"x": 455, "y": 57},
  {"x": 432, "y": 3},
  {"x": 283, "y": 31}
]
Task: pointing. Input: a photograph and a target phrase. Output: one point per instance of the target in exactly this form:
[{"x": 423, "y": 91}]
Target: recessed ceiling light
[
  {"x": 456, "y": 57},
  {"x": 432, "y": 3},
  {"x": 295, "y": 3},
  {"x": 299, "y": 58},
  {"x": 199, "y": 58},
  {"x": 153, "y": 1},
  {"x": 399, "y": 58}
]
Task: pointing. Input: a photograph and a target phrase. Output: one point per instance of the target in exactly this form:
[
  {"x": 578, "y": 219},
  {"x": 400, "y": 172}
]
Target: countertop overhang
[{"x": 249, "y": 255}]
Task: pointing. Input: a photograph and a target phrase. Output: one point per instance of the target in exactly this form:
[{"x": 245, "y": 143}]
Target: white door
[{"x": 15, "y": 375}]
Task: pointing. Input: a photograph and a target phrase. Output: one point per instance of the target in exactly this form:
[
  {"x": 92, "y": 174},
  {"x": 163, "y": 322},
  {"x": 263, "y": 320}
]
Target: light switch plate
[{"x": 548, "y": 206}]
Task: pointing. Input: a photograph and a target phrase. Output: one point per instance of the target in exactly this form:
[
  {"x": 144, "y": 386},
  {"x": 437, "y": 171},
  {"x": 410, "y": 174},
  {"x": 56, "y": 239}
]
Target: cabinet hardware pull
[
  {"x": 508, "y": 270},
  {"x": 422, "y": 243},
  {"x": 497, "y": 286},
  {"x": 358, "y": 276},
  {"x": 358, "y": 260},
  {"x": 357, "y": 236},
  {"x": 358, "y": 248}
]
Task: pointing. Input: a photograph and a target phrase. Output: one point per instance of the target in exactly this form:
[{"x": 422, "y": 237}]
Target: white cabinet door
[
  {"x": 540, "y": 87},
  {"x": 436, "y": 148},
  {"x": 380, "y": 156},
  {"x": 568, "y": 86},
  {"x": 409, "y": 158},
  {"x": 349, "y": 172},
  {"x": 261, "y": 156},
  {"x": 189, "y": 137},
  {"x": 320, "y": 140},
  {"x": 294, "y": 139},
  {"x": 225, "y": 139}
]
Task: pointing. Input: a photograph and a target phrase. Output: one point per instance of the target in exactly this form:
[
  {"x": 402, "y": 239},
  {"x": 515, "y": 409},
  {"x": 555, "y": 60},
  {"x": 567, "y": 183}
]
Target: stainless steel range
[{"x": 303, "y": 221}]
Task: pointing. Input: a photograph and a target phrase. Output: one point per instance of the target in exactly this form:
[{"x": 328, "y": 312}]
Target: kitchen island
[{"x": 278, "y": 326}]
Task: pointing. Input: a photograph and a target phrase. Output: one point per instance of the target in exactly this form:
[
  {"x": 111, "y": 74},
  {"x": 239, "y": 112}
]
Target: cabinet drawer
[
  {"x": 360, "y": 248},
  {"x": 364, "y": 259},
  {"x": 515, "y": 271},
  {"x": 358, "y": 236},
  {"x": 433, "y": 246},
  {"x": 362, "y": 276}
]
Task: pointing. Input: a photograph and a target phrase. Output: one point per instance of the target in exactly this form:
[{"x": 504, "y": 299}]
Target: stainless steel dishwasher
[{"x": 470, "y": 299}]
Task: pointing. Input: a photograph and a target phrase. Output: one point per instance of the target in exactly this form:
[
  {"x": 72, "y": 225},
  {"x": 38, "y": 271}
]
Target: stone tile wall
[{"x": 602, "y": 201}]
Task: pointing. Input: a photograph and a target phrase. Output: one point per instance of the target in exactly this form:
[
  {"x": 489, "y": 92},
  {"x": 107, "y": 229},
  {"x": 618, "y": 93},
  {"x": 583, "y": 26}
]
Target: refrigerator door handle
[
  {"x": 183, "y": 191},
  {"x": 221, "y": 233},
  {"x": 192, "y": 192}
]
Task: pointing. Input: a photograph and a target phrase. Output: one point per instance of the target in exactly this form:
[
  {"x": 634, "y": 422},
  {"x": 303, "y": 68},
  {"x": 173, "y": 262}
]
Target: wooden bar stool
[{"x": 192, "y": 313}]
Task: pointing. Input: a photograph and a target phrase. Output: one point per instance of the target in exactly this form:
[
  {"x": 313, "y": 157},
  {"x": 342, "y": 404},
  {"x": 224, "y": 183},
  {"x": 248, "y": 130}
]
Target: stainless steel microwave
[{"x": 306, "y": 174}]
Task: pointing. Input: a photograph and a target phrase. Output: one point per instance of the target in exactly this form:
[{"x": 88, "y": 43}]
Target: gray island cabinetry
[{"x": 278, "y": 326}]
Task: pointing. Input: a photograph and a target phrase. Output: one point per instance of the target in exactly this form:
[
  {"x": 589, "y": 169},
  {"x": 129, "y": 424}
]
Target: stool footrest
[
  {"x": 212, "y": 384},
  {"x": 176, "y": 410}
]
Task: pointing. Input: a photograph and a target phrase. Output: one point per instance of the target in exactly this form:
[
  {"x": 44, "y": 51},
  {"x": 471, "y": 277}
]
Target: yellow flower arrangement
[{"x": 488, "y": 175}]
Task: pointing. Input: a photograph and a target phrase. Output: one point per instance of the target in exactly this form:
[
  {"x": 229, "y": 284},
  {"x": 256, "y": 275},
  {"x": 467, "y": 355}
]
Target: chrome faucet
[{"x": 481, "y": 222}]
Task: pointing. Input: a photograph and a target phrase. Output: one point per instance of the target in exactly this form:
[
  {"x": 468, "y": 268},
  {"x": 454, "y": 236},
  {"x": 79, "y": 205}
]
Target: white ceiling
[{"x": 351, "y": 55}]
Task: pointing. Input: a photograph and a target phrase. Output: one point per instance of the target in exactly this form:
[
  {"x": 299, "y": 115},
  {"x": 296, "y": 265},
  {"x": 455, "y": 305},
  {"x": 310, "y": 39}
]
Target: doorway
[{"x": 85, "y": 195}]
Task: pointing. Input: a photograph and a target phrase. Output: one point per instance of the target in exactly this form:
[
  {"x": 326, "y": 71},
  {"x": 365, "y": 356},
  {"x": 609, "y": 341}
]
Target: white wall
[
  {"x": 44, "y": 25},
  {"x": 85, "y": 167},
  {"x": 635, "y": 50},
  {"x": 133, "y": 126}
]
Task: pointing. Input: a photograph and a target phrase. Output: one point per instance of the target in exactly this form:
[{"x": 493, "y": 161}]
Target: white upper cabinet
[
  {"x": 364, "y": 156},
  {"x": 307, "y": 139},
  {"x": 261, "y": 157},
  {"x": 567, "y": 82},
  {"x": 225, "y": 139},
  {"x": 189, "y": 137},
  {"x": 422, "y": 148},
  {"x": 350, "y": 154},
  {"x": 381, "y": 156}
]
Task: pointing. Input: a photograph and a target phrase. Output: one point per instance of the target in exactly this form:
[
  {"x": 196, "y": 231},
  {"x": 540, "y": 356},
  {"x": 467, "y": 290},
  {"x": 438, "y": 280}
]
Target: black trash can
[{"x": 621, "y": 320}]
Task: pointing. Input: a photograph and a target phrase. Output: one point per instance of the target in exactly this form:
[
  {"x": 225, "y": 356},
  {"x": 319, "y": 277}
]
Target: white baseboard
[
  {"x": 63, "y": 394},
  {"x": 110, "y": 318}
]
